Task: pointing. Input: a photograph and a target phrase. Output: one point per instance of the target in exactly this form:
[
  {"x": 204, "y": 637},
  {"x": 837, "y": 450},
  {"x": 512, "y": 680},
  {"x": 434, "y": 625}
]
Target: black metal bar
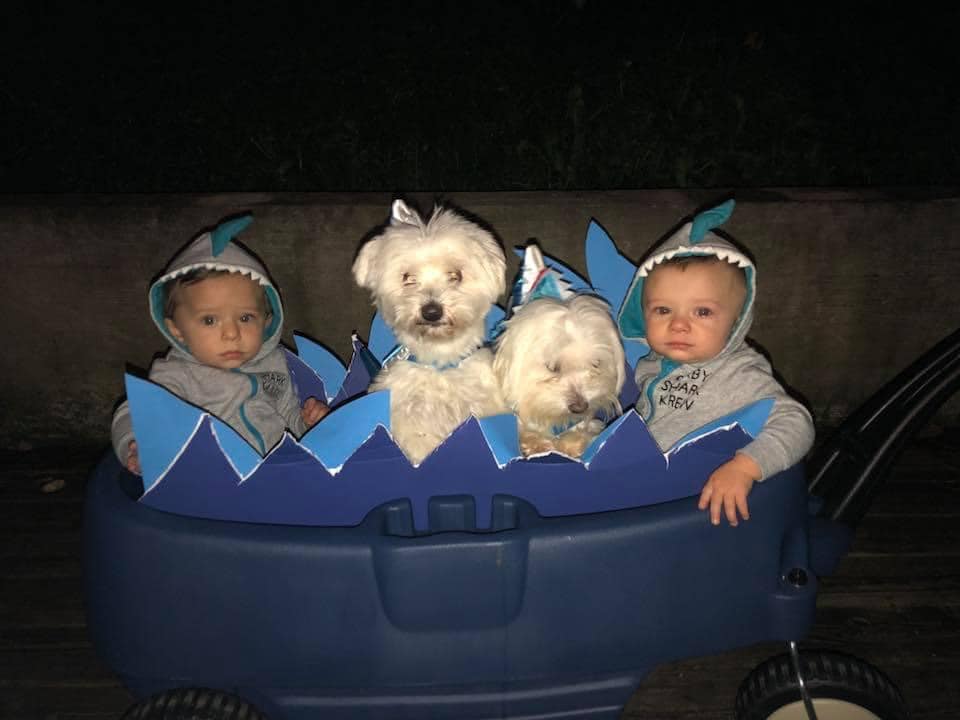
[
  {"x": 849, "y": 468},
  {"x": 801, "y": 684}
]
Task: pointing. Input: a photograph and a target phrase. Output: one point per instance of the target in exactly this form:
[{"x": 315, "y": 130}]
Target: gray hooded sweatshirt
[
  {"x": 258, "y": 399},
  {"x": 676, "y": 399}
]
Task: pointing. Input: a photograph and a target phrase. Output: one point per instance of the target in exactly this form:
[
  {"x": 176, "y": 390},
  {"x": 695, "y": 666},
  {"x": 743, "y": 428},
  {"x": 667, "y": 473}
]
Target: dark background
[
  {"x": 456, "y": 97},
  {"x": 495, "y": 95}
]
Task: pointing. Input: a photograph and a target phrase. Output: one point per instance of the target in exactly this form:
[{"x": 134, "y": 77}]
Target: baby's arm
[
  {"x": 133, "y": 458},
  {"x": 121, "y": 436},
  {"x": 121, "y": 429},
  {"x": 728, "y": 487}
]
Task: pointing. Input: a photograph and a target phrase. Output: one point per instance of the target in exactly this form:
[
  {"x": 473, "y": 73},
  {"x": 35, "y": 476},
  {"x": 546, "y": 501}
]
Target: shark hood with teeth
[
  {"x": 216, "y": 250},
  {"x": 259, "y": 399},
  {"x": 694, "y": 238}
]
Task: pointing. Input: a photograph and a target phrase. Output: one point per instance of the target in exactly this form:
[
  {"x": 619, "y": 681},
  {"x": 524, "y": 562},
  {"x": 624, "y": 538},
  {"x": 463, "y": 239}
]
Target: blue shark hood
[
  {"x": 694, "y": 238},
  {"x": 216, "y": 250}
]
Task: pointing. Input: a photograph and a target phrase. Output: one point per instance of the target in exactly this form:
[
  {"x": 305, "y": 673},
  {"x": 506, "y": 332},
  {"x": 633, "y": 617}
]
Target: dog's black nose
[
  {"x": 431, "y": 312},
  {"x": 577, "y": 405}
]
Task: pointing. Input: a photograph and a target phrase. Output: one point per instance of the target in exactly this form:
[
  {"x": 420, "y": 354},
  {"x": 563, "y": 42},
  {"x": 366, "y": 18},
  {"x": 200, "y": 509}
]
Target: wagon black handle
[{"x": 850, "y": 467}]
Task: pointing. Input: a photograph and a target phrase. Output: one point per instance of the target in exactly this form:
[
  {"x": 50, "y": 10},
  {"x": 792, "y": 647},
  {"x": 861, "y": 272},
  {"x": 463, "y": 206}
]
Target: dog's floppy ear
[
  {"x": 496, "y": 265},
  {"x": 365, "y": 264},
  {"x": 401, "y": 213}
]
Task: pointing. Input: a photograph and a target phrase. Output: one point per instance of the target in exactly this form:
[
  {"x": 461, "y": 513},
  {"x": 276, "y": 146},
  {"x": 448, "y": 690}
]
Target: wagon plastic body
[{"x": 542, "y": 617}]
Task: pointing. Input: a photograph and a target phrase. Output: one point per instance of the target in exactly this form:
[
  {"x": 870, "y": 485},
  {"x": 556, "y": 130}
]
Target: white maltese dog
[
  {"x": 560, "y": 363},
  {"x": 433, "y": 283}
]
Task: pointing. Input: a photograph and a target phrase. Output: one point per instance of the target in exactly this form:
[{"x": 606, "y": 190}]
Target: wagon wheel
[
  {"x": 193, "y": 704},
  {"x": 838, "y": 687}
]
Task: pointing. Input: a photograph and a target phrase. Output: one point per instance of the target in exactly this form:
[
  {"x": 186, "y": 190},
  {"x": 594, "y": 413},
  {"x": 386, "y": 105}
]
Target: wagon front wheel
[
  {"x": 838, "y": 686},
  {"x": 193, "y": 704}
]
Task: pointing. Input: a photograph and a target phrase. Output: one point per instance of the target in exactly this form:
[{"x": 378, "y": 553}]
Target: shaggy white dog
[
  {"x": 434, "y": 283},
  {"x": 559, "y": 363}
]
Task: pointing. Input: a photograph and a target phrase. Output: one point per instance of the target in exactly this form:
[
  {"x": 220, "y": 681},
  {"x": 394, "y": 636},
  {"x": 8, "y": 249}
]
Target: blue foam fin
[
  {"x": 335, "y": 438},
  {"x": 577, "y": 282},
  {"x": 291, "y": 486},
  {"x": 500, "y": 432},
  {"x": 721, "y": 444},
  {"x": 226, "y": 231},
  {"x": 363, "y": 367},
  {"x": 625, "y": 442},
  {"x": 379, "y": 447},
  {"x": 376, "y": 473},
  {"x": 307, "y": 382},
  {"x": 287, "y": 487},
  {"x": 200, "y": 482},
  {"x": 548, "y": 287},
  {"x": 238, "y": 451},
  {"x": 382, "y": 341},
  {"x": 328, "y": 367},
  {"x": 710, "y": 219},
  {"x": 610, "y": 272},
  {"x": 598, "y": 442},
  {"x": 368, "y": 359},
  {"x": 162, "y": 425},
  {"x": 750, "y": 418},
  {"x": 635, "y": 350}
]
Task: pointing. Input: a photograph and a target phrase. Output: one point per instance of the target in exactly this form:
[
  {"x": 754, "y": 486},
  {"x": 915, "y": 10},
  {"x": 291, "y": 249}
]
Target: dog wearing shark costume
[
  {"x": 433, "y": 281},
  {"x": 559, "y": 362}
]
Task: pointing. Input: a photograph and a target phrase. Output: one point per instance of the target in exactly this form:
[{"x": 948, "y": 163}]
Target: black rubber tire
[
  {"x": 193, "y": 704},
  {"x": 773, "y": 685}
]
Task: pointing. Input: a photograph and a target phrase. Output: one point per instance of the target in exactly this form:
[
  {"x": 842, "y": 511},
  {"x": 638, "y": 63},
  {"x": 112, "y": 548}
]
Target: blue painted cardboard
[{"x": 348, "y": 464}]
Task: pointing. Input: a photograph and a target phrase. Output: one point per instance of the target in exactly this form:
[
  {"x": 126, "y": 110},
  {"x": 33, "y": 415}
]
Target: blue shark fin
[
  {"x": 710, "y": 219},
  {"x": 162, "y": 424},
  {"x": 341, "y": 434},
  {"x": 610, "y": 272},
  {"x": 328, "y": 367},
  {"x": 226, "y": 231}
]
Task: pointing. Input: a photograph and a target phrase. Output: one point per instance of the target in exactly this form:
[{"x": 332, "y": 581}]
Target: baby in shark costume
[
  {"x": 692, "y": 302},
  {"x": 222, "y": 314}
]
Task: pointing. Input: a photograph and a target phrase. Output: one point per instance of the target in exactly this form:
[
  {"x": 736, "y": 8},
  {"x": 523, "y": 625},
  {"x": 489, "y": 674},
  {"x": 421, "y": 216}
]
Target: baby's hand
[
  {"x": 728, "y": 487},
  {"x": 133, "y": 458},
  {"x": 312, "y": 411}
]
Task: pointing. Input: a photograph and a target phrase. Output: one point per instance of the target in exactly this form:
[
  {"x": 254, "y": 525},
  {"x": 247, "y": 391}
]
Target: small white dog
[
  {"x": 433, "y": 283},
  {"x": 559, "y": 363}
]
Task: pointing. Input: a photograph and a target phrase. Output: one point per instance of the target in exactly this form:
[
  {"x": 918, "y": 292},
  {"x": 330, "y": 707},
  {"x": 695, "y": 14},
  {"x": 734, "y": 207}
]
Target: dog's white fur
[
  {"x": 433, "y": 283},
  {"x": 559, "y": 363}
]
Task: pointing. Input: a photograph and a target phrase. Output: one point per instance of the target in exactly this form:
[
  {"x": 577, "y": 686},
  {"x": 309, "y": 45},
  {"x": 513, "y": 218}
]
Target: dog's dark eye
[
  {"x": 454, "y": 277},
  {"x": 409, "y": 279},
  {"x": 553, "y": 367}
]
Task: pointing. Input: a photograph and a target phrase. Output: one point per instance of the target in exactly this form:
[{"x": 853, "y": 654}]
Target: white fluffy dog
[
  {"x": 559, "y": 363},
  {"x": 434, "y": 283}
]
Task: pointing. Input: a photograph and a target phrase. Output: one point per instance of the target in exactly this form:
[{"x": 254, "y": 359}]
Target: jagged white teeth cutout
[{"x": 218, "y": 266}]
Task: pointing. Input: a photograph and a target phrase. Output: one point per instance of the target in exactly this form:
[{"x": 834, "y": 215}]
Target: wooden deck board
[{"x": 894, "y": 600}]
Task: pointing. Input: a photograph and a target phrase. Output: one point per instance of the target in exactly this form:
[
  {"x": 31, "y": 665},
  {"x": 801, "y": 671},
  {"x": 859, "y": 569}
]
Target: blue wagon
[{"x": 488, "y": 603}]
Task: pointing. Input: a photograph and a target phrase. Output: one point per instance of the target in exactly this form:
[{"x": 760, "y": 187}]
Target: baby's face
[
  {"x": 690, "y": 311},
  {"x": 220, "y": 320}
]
